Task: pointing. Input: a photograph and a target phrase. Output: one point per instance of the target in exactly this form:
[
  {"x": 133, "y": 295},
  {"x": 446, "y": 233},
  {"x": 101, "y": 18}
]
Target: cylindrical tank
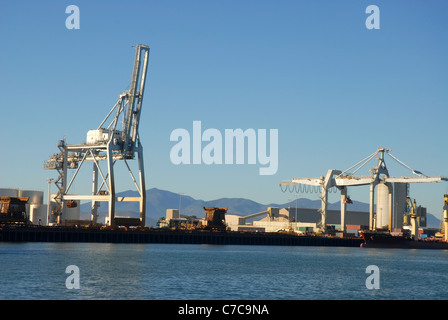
[
  {"x": 36, "y": 197},
  {"x": 38, "y": 214},
  {"x": 7, "y": 192},
  {"x": 72, "y": 213},
  {"x": 382, "y": 206},
  {"x": 69, "y": 213},
  {"x": 395, "y": 204}
]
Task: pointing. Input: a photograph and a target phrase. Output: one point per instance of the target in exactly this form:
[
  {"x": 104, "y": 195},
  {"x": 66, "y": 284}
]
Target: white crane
[
  {"x": 106, "y": 143},
  {"x": 342, "y": 180}
]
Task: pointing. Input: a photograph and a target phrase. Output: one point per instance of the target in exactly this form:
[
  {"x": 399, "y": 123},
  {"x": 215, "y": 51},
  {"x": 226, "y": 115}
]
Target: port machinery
[
  {"x": 107, "y": 144},
  {"x": 343, "y": 179}
]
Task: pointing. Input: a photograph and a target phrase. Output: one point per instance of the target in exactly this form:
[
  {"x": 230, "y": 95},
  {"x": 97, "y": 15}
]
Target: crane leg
[
  {"x": 94, "y": 209},
  {"x": 142, "y": 186},
  {"x": 372, "y": 202},
  {"x": 110, "y": 162},
  {"x": 343, "y": 207}
]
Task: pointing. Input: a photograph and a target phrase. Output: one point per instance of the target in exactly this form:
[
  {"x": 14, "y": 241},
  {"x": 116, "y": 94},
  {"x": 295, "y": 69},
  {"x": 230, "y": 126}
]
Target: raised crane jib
[{"x": 134, "y": 95}]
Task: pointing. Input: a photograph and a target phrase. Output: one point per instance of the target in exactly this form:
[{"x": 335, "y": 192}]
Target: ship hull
[{"x": 386, "y": 240}]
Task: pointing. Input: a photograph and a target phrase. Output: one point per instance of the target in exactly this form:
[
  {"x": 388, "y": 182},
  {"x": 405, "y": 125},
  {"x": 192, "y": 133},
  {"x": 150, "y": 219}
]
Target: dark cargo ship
[{"x": 378, "y": 239}]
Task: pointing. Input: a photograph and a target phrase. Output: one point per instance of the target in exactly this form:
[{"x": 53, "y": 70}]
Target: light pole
[
  {"x": 297, "y": 198},
  {"x": 50, "y": 181},
  {"x": 180, "y": 197}
]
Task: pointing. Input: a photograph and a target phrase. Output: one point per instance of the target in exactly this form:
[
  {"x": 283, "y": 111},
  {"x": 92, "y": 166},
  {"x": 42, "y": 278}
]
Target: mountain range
[{"x": 157, "y": 201}]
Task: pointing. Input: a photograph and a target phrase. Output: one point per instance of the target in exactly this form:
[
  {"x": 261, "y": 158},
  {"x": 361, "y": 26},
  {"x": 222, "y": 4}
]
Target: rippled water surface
[{"x": 166, "y": 271}]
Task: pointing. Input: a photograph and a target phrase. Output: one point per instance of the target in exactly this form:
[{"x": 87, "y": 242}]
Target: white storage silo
[
  {"x": 35, "y": 197},
  {"x": 35, "y": 209},
  {"x": 382, "y": 206},
  {"x": 72, "y": 213},
  {"x": 7, "y": 192},
  {"x": 391, "y": 201},
  {"x": 38, "y": 214},
  {"x": 68, "y": 213}
]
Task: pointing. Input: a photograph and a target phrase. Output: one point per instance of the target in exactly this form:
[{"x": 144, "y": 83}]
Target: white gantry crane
[
  {"x": 342, "y": 180},
  {"x": 107, "y": 143}
]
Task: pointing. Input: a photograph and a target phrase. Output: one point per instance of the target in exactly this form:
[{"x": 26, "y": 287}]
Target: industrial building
[
  {"x": 175, "y": 220},
  {"x": 274, "y": 220},
  {"x": 392, "y": 208}
]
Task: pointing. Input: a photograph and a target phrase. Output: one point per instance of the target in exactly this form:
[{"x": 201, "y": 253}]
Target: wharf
[{"x": 71, "y": 234}]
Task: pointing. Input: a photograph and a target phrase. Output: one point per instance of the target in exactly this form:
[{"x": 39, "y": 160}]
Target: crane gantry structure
[
  {"x": 107, "y": 143},
  {"x": 343, "y": 179}
]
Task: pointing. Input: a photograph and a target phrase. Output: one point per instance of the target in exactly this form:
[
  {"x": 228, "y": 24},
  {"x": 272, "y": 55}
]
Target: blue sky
[{"x": 335, "y": 90}]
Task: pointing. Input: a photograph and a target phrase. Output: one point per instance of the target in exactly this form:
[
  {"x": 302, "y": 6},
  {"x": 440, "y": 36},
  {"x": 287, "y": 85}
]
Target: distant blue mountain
[{"x": 157, "y": 201}]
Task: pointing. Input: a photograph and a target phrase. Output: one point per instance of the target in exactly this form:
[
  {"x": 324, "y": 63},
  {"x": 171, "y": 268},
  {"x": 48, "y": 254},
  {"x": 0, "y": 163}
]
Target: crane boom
[{"x": 135, "y": 97}]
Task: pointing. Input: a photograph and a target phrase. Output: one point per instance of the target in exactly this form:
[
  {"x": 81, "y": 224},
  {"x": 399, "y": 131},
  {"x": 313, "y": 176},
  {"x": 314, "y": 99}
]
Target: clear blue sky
[{"x": 311, "y": 69}]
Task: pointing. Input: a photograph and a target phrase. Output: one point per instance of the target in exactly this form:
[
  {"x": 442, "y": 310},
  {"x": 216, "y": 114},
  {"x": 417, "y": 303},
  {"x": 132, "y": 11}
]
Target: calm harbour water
[{"x": 215, "y": 272}]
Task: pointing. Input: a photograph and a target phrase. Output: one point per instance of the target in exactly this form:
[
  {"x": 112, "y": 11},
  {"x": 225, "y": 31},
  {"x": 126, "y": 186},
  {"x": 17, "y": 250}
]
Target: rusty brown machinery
[{"x": 216, "y": 218}]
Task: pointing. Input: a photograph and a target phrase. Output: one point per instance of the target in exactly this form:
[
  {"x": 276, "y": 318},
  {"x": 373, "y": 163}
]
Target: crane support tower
[
  {"x": 107, "y": 144},
  {"x": 343, "y": 180},
  {"x": 444, "y": 220}
]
